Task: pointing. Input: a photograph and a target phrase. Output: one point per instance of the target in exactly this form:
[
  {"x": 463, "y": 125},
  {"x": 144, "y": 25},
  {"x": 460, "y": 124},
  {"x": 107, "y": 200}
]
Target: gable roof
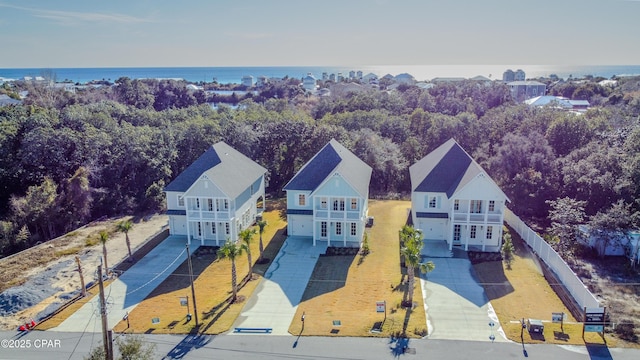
[
  {"x": 332, "y": 158},
  {"x": 229, "y": 169},
  {"x": 446, "y": 169}
]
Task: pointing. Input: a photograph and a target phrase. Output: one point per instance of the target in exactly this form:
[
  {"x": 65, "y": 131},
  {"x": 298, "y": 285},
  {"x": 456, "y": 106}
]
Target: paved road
[{"x": 67, "y": 345}]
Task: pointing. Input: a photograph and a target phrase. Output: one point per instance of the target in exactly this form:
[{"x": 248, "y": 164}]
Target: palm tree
[
  {"x": 104, "y": 236},
  {"x": 261, "y": 225},
  {"x": 230, "y": 250},
  {"x": 412, "y": 244},
  {"x": 125, "y": 226},
  {"x": 247, "y": 235}
]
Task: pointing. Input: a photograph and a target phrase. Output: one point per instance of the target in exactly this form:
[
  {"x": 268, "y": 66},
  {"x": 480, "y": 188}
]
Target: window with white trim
[
  {"x": 323, "y": 203},
  {"x": 342, "y": 205},
  {"x": 456, "y": 204},
  {"x": 199, "y": 229},
  {"x": 323, "y": 229},
  {"x": 210, "y": 204},
  {"x": 472, "y": 233},
  {"x": 354, "y": 204},
  {"x": 489, "y": 232},
  {"x": 302, "y": 200},
  {"x": 456, "y": 232},
  {"x": 354, "y": 229},
  {"x": 213, "y": 228},
  {"x": 433, "y": 202},
  {"x": 180, "y": 201},
  {"x": 476, "y": 206},
  {"x": 227, "y": 229},
  {"x": 338, "y": 228},
  {"x": 492, "y": 205},
  {"x": 197, "y": 203}
]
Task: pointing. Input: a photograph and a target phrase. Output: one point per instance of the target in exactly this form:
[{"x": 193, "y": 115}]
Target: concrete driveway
[
  {"x": 133, "y": 286},
  {"x": 275, "y": 300},
  {"x": 456, "y": 304}
]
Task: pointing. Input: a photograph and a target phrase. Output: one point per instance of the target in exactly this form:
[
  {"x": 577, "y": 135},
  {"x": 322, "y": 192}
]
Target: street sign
[
  {"x": 593, "y": 328},
  {"x": 381, "y": 306},
  {"x": 594, "y": 316},
  {"x": 557, "y": 317}
]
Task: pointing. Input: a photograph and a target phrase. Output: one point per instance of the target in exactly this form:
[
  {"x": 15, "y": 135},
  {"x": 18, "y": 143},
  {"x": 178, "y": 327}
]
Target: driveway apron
[
  {"x": 275, "y": 300},
  {"x": 456, "y": 304}
]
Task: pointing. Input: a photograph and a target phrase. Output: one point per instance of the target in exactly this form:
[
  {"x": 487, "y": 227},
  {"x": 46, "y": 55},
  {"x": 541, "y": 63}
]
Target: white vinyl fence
[{"x": 567, "y": 277}]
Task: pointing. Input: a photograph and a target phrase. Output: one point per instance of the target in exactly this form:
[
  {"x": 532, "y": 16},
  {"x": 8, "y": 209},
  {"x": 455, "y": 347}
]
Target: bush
[{"x": 626, "y": 332}]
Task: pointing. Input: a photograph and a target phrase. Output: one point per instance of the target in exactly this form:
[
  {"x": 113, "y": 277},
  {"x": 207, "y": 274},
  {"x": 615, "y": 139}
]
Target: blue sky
[{"x": 85, "y": 33}]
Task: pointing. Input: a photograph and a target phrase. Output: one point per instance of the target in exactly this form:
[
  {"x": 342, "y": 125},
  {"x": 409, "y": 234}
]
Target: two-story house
[
  {"x": 216, "y": 196},
  {"x": 327, "y": 199},
  {"x": 453, "y": 199}
]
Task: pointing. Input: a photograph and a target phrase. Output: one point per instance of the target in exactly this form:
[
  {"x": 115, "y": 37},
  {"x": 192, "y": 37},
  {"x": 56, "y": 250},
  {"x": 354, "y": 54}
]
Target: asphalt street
[{"x": 66, "y": 345}]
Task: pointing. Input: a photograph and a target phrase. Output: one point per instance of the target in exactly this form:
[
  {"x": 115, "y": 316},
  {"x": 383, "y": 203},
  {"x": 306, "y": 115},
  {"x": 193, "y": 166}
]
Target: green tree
[
  {"x": 124, "y": 226},
  {"x": 566, "y": 215},
  {"x": 411, "y": 245},
  {"x": 230, "y": 250},
  {"x": 38, "y": 209},
  {"x": 104, "y": 236},
  {"x": 261, "y": 225},
  {"x": 247, "y": 237},
  {"x": 507, "y": 249}
]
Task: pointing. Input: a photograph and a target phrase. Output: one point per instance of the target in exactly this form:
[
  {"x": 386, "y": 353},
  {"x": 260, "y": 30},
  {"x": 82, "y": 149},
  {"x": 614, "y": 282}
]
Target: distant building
[
  {"x": 325, "y": 76},
  {"x": 359, "y": 75},
  {"x": 370, "y": 78},
  {"x": 559, "y": 102},
  {"x": 508, "y": 76},
  {"x": 404, "y": 78},
  {"x": 352, "y": 74},
  {"x": 481, "y": 79},
  {"x": 332, "y": 77},
  {"x": 262, "y": 81},
  {"x": 447, "y": 79},
  {"x": 247, "y": 80},
  {"x": 523, "y": 90},
  {"x": 309, "y": 82},
  {"x": 519, "y": 75}
]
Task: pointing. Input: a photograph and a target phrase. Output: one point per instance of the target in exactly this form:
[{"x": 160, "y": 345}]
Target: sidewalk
[
  {"x": 275, "y": 300},
  {"x": 127, "y": 291}
]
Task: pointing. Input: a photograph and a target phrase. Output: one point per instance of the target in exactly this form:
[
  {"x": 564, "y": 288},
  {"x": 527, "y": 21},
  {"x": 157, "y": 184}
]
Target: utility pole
[
  {"x": 84, "y": 290},
  {"x": 106, "y": 334},
  {"x": 193, "y": 290}
]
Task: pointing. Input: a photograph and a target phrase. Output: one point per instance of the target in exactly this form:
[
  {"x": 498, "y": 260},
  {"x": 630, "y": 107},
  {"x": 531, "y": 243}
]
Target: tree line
[{"x": 68, "y": 158}]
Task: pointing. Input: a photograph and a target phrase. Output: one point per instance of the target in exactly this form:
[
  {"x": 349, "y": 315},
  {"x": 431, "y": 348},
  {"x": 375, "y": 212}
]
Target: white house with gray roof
[
  {"x": 453, "y": 199},
  {"x": 216, "y": 196},
  {"x": 327, "y": 199}
]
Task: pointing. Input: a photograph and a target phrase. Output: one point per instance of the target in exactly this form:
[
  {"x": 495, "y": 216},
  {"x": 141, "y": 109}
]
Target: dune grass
[{"x": 346, "y": 288}]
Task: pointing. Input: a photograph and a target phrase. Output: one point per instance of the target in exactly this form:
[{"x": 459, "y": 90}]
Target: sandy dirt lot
[{"x": 46, "y": 275}]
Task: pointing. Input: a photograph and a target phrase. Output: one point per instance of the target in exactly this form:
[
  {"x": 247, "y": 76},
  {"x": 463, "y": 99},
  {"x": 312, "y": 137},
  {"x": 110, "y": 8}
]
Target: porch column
[
  {"x": 203, "y": 229},
  {"x": 188, "y": 230},
  {"x": 315, "y": 225},
  {"x": 466, "y": 243},
  {"x": 344, "y": 233}
]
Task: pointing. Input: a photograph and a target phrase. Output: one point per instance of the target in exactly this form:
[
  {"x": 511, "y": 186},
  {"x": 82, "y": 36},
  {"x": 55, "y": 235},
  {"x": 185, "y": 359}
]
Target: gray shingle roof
[
  {"x": 229, "y": 169},
  {"x": 446, "y": 169},
  {"x": 332, "y": 158}
]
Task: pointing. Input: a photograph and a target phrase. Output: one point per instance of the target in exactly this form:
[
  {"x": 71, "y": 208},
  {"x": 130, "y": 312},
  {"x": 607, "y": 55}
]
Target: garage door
[
  {"x": 432, "y": 230},
  {"x": 300, "y": 225}
]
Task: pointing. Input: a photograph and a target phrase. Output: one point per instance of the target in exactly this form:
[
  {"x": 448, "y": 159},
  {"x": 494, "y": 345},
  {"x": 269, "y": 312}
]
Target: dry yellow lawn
[
  {"x": 212, "y": 286},
  {"x": 343, "y": 288},
  {"x": 523, "y": 292}
]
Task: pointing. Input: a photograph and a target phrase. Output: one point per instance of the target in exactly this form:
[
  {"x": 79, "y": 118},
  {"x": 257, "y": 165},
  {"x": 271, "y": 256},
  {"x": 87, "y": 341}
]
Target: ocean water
[{"x": 234, "y": 74}]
